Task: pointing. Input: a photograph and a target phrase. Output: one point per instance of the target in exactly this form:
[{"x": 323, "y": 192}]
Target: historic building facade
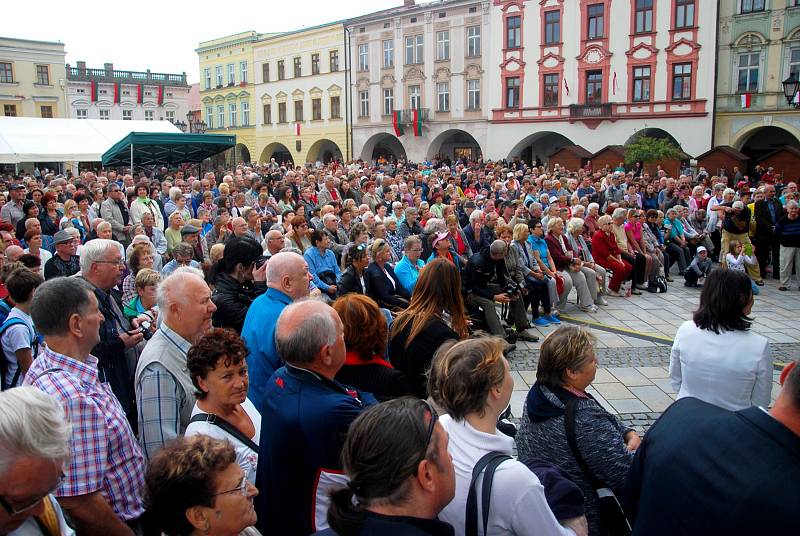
[
  {"x": 759, "y": 49},
  {"x": 594, "y": 73},
  {"x": 113, "y": 94},
  {"x": 227, "y": 91},
  {"x": 419, "y": 80},
  {"x": 300, "y": 87},
  {"x": 32, "y": 78}
]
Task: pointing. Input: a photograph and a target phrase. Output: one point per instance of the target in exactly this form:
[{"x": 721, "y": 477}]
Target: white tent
[{"x": 30, "y": 139}]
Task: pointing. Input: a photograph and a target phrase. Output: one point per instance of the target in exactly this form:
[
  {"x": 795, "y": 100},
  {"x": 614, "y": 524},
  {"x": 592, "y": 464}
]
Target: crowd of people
[{"x": 325, "y": 349}]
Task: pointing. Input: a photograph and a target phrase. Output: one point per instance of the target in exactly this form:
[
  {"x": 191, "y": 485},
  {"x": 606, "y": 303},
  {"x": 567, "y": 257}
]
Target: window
[
  {"x": 221, "y": 116},
  {"x": 334, "y": 59},
  {"x": 207, "y": 78},
  {"x": 552, "y": 27},
  {"x": 473, "y": 41},
  {"x": 747, "y": 72},
  {"x": 265, "y": 72},
  {"x": 682, "y": 81},
  {"x": 10, "y": 110},
  {"x": 641, "y": 84},
  {"x": 267, "y": 114},
  {"x": 298, "y": 110},
  {"x": 363, "y": 101},
  {"x": 127, "y": 115},
  {"x": 6, "y": 73},
  {"x": 281, "y": 70},
  {"x": 335, "y": 109},
  {"x": 298, "y": 67},
  {"x": 388, "y": 101},
  {"x": 218, "y": 72},
  {"x": 103, "y": 114},
  {"x": 43, "y": 75},
  {"x": 443, "y": 45},
  {"x": 149, "y": 115},
  {"x": 752, "y": 6},
  {"x": 243, "y": 71},
  {"x": 209, "y": 116},
  {"x": 594, "y": 87},
  {"x": 169, "y": 115},
  {"x": 80, "y": 114},
  {"x": 514, "y": 32},
  {"x": 47, "y": 112},
  {"x": 232, "y": 115},
  {"x": 388, "y": 53},
  {"x": 550, "y": 94},
  {"x": 414, "y": 97},
  {"x": 443, "y": 96},
  {"x": 414, "y": 49},
  {"x": 512, "y": 92},
  {"x": 281, "y": 112},
  {"x": 316, "y": 109},
  {"x": 231, "y": 74},
  {"x": 245, "y": 114},
  {"x": 473, "y": 94},
  {"x": 314, "y": 63},
  {"x": 684, "y": 13},
  {"x": 594, "y": 15},
  {"x": 644, "y": 16},
  {"x": 794, "y": 62},
  {"x": 363, "y": 57}
]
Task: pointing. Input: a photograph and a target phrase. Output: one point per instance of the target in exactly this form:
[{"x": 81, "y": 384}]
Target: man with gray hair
[
  {"x": 165, "y": 394},
  {"x": 34, "y": 446},
  {"x": 102, "y": 487},
  {"x": 305, "y": 417},
  {"x": 288, "y": 280},
  {"x": 102, "y": 267}
]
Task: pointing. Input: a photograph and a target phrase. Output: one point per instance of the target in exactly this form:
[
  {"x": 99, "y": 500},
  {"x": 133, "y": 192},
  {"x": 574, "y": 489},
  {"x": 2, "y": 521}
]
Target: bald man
[
  {"x": 305, "y": 417},
  {"x": 287, "y": 281}
]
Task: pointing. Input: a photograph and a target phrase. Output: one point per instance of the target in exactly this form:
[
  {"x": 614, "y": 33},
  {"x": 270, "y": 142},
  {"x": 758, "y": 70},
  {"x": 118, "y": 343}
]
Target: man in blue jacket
[
  {"x": 287, "y": 281},
  {"x": 304, "y": 420}
]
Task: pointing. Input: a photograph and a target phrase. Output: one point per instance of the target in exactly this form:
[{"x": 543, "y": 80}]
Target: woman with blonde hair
[{"x": 436, "y": 314}]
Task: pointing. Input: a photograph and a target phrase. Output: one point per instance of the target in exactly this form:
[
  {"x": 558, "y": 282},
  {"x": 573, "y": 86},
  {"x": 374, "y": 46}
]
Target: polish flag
[
  {"x": 746, "y": 98},
  {"x": 297, "y": 129}
]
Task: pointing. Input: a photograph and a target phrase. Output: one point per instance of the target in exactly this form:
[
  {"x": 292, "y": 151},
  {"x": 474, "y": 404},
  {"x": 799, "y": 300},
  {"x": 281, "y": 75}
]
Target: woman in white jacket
[{"x": 473, "y": 384}]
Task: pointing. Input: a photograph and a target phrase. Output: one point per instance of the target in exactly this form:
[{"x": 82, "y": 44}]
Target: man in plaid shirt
[{"x": 102, "y": 487}]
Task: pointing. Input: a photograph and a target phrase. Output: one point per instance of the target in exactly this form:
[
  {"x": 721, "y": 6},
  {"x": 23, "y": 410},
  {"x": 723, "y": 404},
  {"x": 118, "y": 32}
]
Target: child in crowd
[
  {"x": 698, "y": 269},
  {"x": 738, "y": 259}
]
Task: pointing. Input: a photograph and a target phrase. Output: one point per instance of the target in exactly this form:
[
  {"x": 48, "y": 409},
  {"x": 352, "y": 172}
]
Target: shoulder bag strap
[
  {"x": 569, "y": 426},
  {"x": 489, "y": 462},
  {"x": 228, "y": 427}
]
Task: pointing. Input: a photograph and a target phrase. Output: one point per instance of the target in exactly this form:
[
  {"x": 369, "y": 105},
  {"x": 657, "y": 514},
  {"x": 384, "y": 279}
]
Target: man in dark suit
[
  {"x": 767, "y": 212},
  {"x": 705, "y": 470}
]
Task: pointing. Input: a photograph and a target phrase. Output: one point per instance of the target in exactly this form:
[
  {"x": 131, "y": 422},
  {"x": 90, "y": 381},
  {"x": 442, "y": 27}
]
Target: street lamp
[
  {"x": 790, "y": 87},
  {"x": 181, "y": 125}
]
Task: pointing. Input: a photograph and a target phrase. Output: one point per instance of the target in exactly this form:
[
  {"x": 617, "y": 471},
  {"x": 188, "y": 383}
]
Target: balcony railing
[
  {"x": 407, "y": 116},
  {"x": 590, "y": 111},
  {"x": 133, "y": 77}
]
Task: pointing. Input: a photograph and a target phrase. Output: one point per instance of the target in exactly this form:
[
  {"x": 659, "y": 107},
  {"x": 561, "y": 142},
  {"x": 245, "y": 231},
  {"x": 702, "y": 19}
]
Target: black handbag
[
  {"x": 228, "y": 427},
  {"x": 489, "y": 463},
  {"x": 328, "y": 277},
  {"x": 611, "y": 513}
]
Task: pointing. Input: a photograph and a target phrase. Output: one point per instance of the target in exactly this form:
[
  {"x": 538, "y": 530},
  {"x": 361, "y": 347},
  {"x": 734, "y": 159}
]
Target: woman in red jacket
[{"x": 606, "y": 253}]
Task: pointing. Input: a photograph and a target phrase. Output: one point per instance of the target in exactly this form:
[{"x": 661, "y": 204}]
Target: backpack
[
  {"x": 487, "y": 465},
  {"x": 7, "y": 323},
  {"x": 5, "y": 309}
]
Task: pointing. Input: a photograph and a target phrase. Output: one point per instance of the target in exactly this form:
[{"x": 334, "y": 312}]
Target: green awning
[{"x": 145, "y": 148}]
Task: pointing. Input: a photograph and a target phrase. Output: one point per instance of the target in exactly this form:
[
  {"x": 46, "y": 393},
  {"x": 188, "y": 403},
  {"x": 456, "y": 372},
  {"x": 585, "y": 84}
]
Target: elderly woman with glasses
[
  {"x": 407, "y": 270},
  {"x": 607, "y": 254},
  {"x": 196, "y": 488},
  {"x": 575, "y": 230},
  {"x": 584, "y": 279}
]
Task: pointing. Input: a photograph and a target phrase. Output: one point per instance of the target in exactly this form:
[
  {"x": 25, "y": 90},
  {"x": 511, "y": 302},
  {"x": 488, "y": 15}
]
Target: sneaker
[
  {"x": 552, "y": 319},
  {"x": 636, "y": 292},
  {"x": 509, "y": 349},
  {"x": 760, "y": 282},
  {"x": 588, "y": 308},
  {"x": 601, "y": 301},
  {"x": 613, "y": 293},
  {"x": 539, "y": 321},
  {"x": 525, "y": 336}
]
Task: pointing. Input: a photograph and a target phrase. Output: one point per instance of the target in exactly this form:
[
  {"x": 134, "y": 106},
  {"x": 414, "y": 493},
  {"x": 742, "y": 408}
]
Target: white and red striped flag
[
  {"x": 297, "y": 129},
  {"x": 746, "y": 100}
]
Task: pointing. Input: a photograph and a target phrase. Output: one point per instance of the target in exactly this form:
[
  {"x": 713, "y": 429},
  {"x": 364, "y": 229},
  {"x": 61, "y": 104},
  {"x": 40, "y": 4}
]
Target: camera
[{"x": 512, "y": 289}]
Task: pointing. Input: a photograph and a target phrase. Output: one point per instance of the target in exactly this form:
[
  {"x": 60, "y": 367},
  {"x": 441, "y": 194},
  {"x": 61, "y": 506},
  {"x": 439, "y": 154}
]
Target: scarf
[{"x": 352, "y": 358}]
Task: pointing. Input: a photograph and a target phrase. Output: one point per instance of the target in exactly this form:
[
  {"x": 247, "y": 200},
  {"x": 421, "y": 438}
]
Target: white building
[
  {"x": 128, "y": 95},
  {"x": 433, "y": 58},
  {"x": 595, "y": 73}
]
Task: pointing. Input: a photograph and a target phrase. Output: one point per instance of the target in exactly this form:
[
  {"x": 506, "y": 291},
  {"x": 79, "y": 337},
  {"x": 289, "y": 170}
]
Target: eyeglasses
[
  {"x": 241, "y": 488},
  {"x": 16, "y": 510},
  {"x": 431, "y": 426},
  {"x": 119, "y": 262}
]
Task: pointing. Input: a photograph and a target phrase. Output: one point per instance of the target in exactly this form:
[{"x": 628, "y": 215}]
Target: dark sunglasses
[{"x": 431, "y": 426}]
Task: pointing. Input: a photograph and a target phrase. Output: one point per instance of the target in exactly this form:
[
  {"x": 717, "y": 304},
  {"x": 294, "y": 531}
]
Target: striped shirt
[{"x": 105, "y": 456}]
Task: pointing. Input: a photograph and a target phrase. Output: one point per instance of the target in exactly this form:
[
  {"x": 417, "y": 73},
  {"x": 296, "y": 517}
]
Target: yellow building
[
  {"x": 32, "y": 78},
  {"x": 227, "y": 97},
  {"x": 300, "y": 92}
]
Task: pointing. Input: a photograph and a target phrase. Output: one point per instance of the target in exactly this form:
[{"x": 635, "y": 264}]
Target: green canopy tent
[{"x": 146, "y": 148}]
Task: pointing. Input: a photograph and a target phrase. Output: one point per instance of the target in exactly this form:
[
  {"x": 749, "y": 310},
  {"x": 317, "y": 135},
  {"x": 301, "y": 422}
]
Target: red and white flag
[
  {"x": 746, "y": 99},
  {"x": 297, "y": 129},
  {"x": 566, "y": 86}
]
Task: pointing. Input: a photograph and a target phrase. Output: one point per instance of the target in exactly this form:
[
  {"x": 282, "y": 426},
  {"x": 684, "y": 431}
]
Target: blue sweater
[
  {"x": 318, "y": 264},
  {"x": 788, "y": 232},
  {"x": 406, "y": 273}
]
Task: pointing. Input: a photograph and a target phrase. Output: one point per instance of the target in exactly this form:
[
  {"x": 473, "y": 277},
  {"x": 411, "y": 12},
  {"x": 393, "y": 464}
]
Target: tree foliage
[{"x": 650, "y": 150}]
